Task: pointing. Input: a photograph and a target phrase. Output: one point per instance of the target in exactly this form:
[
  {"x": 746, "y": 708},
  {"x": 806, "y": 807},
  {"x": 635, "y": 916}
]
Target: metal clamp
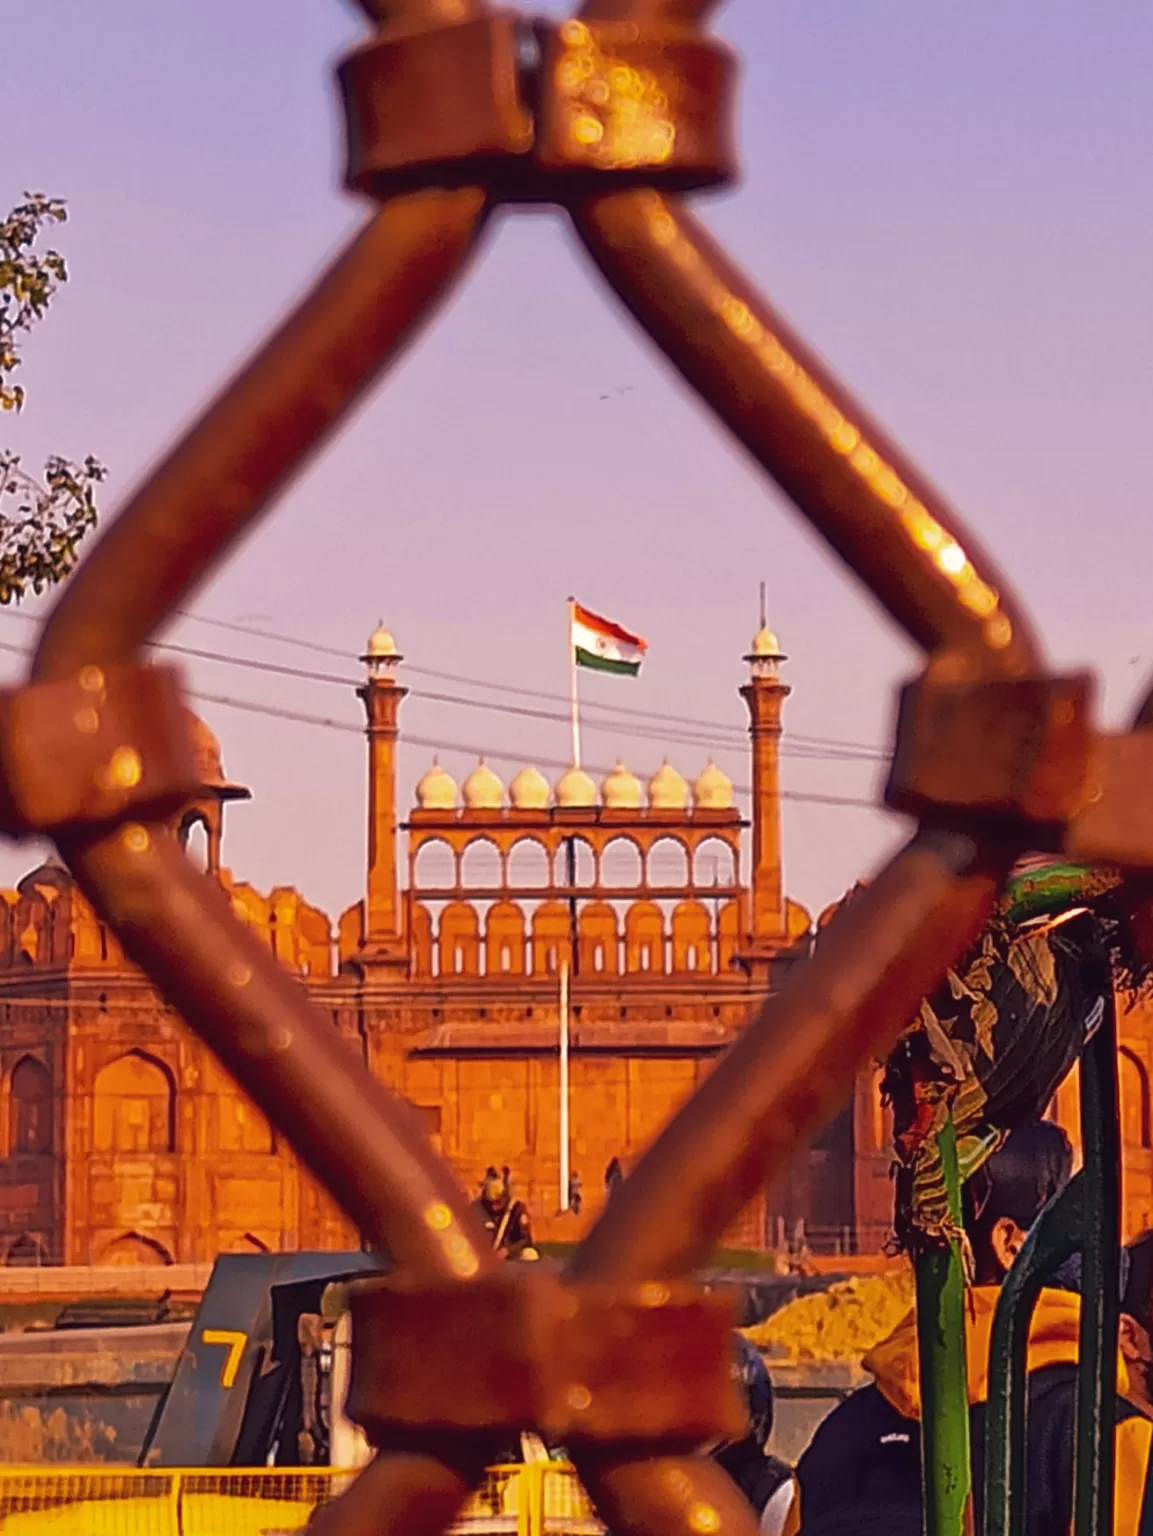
[
  {"x": 579, "y": 1362},
  {"x": 520, "y": 105},
  {"x": 106, "y": 745}
]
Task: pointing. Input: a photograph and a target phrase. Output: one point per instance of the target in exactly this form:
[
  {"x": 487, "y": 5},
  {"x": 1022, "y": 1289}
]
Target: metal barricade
[
  {"x": 537, "y": 1499},
  {"x": 453, "y": 109}
]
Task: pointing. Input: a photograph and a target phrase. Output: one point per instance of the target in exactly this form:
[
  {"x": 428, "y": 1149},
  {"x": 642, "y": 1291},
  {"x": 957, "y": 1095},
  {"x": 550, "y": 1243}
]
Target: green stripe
[{"x": 606, "y": 663}]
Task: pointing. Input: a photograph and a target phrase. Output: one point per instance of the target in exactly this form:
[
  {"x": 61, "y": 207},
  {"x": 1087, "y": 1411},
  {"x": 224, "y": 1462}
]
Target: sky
[{"x": 951, "y": 201}]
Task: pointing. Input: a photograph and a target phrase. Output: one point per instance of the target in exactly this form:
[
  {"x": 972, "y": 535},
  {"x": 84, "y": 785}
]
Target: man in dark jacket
[
  {"x": 862, "y": 1472},
  {"x": 763, "y": 1479}
]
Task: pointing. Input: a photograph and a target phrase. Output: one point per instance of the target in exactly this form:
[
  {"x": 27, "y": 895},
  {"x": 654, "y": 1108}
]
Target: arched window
[
  {"x": 26, "y": 1251},
  {"x": 30, "y": 1109},
  {"x": 598, "y": 937},
  {"x": 576, "y": 863},
  {"x": 194, "y": 838},
  {"x": 504, "y": 939},
  {"x": 459, "y": 940},
  {"x": 714, "y": 863},
  {"x": 644, "y": 937},
  {"x": 435, "y": 866},
  {"x": 621, "y": 866},
  {"x": 667, "y": 863},
  {"x": 551, "y": 937},
  {"x": 528, "y": 865},
  {"x": 692, "y": 941},
  {"x": 131, "y": 1250},
  {"x": 480, "y": 865},
  {"x": 134, "y": 1106}
]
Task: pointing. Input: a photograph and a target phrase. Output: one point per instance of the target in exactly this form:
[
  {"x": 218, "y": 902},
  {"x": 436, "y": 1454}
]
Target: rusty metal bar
[
  {"x": 794, "y": 1067},
  {"x": 780, "y": 400}
]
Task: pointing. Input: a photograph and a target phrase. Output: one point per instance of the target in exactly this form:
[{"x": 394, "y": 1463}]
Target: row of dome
[{"x": 575, "y": 790}]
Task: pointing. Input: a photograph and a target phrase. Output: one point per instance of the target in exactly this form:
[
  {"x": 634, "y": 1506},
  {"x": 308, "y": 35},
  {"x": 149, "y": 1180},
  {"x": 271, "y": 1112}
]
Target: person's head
[
  {"x": 494, "y": 1191},
  {"x": 1136, "y": 1336},
  {"x": 756, "y": 1388},
  {"x": 1005, "y": 1196}
]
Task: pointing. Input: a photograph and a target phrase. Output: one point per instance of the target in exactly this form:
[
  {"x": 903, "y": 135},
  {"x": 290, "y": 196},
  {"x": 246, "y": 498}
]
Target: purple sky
[{"x": 952, "y": 201}]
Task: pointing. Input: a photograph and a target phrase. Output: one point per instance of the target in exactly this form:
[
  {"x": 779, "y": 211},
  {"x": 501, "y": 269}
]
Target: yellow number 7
[{"x": 234, "y": 1342}]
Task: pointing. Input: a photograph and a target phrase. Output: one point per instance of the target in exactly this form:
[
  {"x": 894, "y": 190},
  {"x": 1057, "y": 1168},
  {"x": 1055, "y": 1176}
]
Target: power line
[
  {"x": 531, "y": 693},
  {"x": 498, "y": 754},
  {"x": 800, "y": 746}
]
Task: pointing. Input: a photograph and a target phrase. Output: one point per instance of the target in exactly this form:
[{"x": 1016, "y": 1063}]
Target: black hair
[{"x": 1017, "y": 1182}]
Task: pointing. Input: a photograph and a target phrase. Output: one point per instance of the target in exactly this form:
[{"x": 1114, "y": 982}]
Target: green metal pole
[
  {"x": 1100, "y": 1285},
  {"x": 946, "y": 1475}
]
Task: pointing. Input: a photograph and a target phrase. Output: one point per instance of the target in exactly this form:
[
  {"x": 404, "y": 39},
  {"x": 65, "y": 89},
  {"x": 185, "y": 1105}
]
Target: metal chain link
[{"x": 452, "y": 109}]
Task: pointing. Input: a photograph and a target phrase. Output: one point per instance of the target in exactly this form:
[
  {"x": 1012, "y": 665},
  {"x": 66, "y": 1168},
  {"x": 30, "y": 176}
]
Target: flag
[{"x": 603, "y": 645}]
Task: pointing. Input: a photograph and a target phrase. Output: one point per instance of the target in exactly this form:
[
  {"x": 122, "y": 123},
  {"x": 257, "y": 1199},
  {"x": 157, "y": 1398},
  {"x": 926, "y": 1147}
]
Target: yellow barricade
[{"x": 538, "y": 1499}]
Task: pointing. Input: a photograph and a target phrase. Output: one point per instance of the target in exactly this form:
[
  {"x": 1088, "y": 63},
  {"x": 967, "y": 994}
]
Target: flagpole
[
  {"x": 564, "y": 1092},
  {"x": 574, "y": 695}
]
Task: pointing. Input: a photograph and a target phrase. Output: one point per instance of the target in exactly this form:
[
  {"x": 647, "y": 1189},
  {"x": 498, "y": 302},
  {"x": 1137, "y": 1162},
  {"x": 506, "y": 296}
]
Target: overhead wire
[
  {"x": 800, "y": 746},
  {"x": 486, "y": 751}
]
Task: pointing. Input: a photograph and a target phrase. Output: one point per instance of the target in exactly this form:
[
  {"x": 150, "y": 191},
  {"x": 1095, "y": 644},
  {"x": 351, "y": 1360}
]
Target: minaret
[
  {"x": 765, "y": 694},
  {"x": 381, "y": 695}
]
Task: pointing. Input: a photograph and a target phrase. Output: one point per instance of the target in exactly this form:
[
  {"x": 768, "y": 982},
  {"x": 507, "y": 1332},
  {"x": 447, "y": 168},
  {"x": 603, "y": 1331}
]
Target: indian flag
[{"x": 604, "y": 646}]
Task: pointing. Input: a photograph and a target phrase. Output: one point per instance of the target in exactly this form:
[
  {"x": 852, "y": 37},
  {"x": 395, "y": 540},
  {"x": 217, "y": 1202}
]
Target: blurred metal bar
[{"x": 781, "y": 401}]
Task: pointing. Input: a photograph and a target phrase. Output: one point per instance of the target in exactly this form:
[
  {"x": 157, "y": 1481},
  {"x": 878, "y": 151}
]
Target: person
[
  {"x": 764, "y": 1480},
  {"x": 1136, "y": 1337},
  {"x": 505, "y": 1220},
  {"x": 576, "y": 1196},
  {"x": 861, "y": 1473},
  {"x": 614, "y": 1177}
]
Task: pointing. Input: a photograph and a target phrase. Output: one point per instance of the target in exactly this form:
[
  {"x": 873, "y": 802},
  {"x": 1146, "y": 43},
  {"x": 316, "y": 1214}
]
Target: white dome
[
  {"x": 380, "y": 644},
  {"x": 529, "y": 790},
  {"x": 575, "y": 790},
  {"x": 436, "y": 790},
  {"x": 713, "y": 791},
  {"x": 668, "y": 791},
  {"x": 482, "y": 790},
  {"x": 766, "y": 644},
  {"x": 621, "y": 790}
]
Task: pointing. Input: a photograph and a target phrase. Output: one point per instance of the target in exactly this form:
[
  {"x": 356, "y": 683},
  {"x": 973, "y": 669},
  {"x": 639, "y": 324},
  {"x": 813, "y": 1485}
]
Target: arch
[
  {"x": 131, "y": 1250},
  {"x": 434, "y": 865},
  {"x": 248, "y": 1242},
  {"x": 459, "y": 940},
  {"x": 420, "y": 939},
  {"x": 644, "y": 937},
  {"x": 576, "y": 863},
  {"x": 481, "y": 866},
  {"x": 667, "y": 862},
  {"x": 599, "y": 940},
  {"x": 26, "y": 1251},
  {"x": 728, "y": 935},
  {"x": 1134, "y": 1084},
  {"x": 529, "y": 866},
  {"x": 692, "y": 945},
  {"x": 196, "y": 840},
  {"x": 30, "y": 1108},
  {"x": 622, "y": 866},
  {"x": 134, "y": 1106},
  {"x": 551, "y": 938},
  {"x": 714, "y": 863},
  {"x": 504, "y": 940}
]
